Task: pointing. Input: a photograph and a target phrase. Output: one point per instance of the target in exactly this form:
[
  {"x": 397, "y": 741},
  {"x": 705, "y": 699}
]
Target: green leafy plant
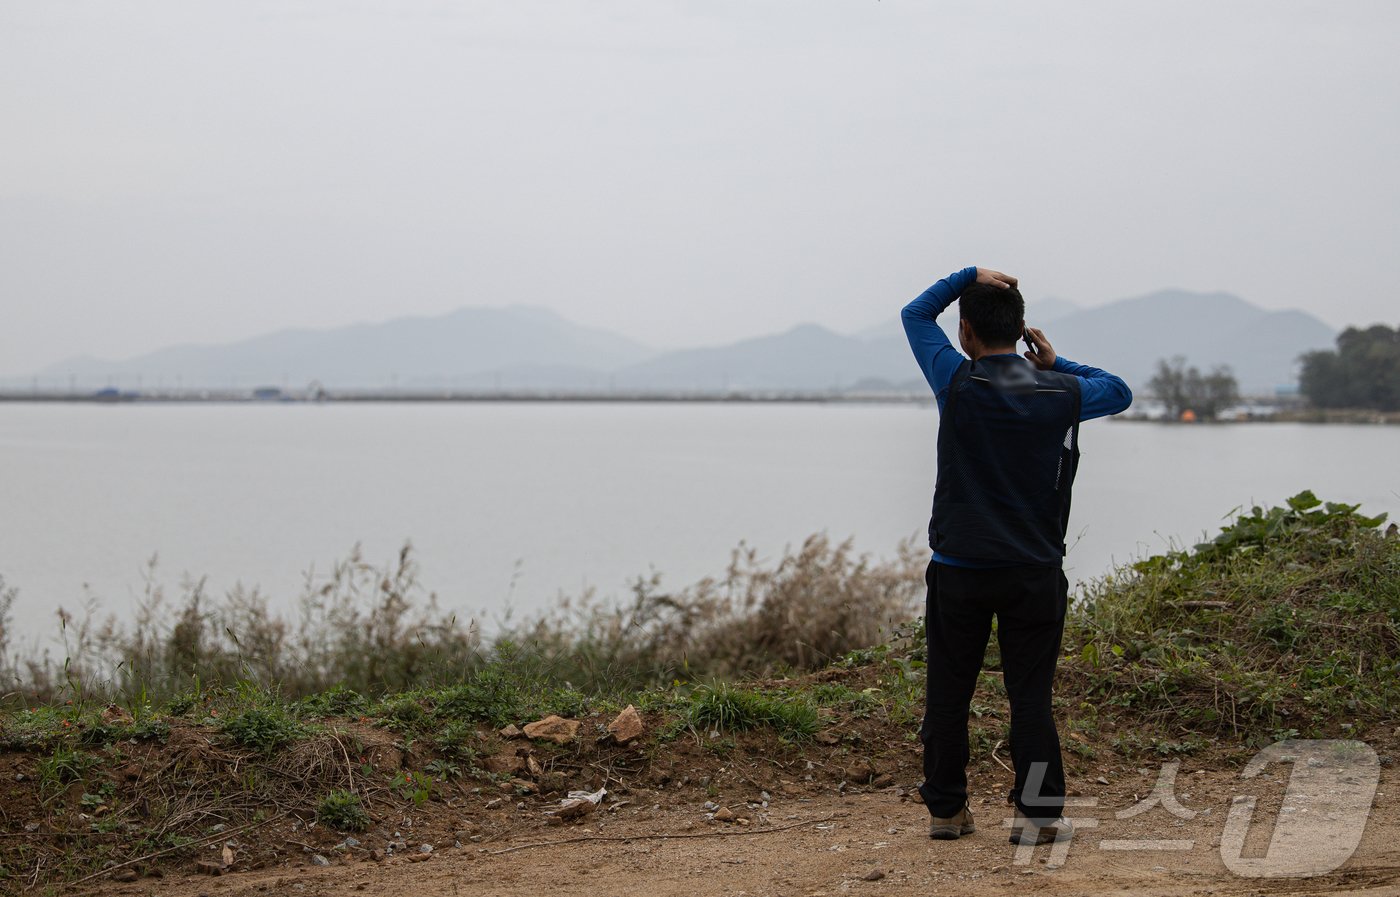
[
  {"x": 1304, "y": 516},
  {"x": 455, "y": 741},
  {"x": 264, "y": 729},
  {"x": 338, "y": 701},
  {"x": 414, "y": 786},
  {"x": 342, "y": 811}
]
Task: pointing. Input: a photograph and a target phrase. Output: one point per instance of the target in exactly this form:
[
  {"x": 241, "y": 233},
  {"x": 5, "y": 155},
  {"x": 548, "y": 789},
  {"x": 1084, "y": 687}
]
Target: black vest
[{"x": 1008, "y": 449}]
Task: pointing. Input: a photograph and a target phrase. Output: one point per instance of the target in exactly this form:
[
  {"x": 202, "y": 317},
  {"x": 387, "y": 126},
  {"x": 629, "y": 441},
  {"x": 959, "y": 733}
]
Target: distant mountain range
[{"x": 528, "y": 348}]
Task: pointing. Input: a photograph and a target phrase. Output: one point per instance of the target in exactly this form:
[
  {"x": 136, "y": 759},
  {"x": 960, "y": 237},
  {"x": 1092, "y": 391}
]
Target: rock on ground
[
  {"x": 627, "y": 726},
  {"x": 553, "y": 728}
]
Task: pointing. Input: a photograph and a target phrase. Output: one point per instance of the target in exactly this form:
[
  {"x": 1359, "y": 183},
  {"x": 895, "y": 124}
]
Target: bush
[
  {"x": 1288, "y": 619},
  {"x": 342, "y": 811}
]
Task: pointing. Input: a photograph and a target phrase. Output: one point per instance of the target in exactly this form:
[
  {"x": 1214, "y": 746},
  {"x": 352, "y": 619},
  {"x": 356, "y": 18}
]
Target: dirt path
[{"x": 873, "y": 843}]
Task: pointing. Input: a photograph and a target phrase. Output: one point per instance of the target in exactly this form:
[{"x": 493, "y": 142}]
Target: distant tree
[
  {"x": 1169, "y": 385},
  {"x": 1186, "y": 389},
  {"x": 1362, "y": 372}
]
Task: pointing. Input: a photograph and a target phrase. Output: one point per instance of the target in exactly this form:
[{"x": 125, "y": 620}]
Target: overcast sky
[{"x": 682, "y": 172}]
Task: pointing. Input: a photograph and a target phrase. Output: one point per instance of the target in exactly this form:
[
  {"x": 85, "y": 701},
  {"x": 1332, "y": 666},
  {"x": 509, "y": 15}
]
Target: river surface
[{"x": 511, "y": 505}]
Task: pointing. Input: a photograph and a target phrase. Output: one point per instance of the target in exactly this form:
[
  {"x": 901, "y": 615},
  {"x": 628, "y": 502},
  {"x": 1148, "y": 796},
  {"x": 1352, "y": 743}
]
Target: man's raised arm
[{"x": 935, "y": 353}]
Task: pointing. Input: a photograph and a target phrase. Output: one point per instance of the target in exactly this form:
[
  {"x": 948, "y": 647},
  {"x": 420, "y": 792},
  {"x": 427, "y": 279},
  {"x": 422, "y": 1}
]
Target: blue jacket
[{"x": 1100, "y": 393}]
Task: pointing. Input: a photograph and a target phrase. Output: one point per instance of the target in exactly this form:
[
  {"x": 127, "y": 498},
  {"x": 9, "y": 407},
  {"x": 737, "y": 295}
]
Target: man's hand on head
[
  {"x": 996, "y": 278},
  {"x": 1044, "y": 355}
]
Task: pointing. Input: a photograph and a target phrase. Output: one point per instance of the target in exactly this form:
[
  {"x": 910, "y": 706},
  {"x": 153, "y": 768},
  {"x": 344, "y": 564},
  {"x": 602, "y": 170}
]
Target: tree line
[{"x": 1362, "y": 372}]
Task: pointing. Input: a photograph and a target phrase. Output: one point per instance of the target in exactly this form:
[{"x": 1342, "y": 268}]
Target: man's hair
[{"x": 996, "y": 314}]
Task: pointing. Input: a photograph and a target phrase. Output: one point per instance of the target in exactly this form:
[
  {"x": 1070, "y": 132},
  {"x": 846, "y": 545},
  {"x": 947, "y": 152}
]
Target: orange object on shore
[{"x": 1188, "y": 416}]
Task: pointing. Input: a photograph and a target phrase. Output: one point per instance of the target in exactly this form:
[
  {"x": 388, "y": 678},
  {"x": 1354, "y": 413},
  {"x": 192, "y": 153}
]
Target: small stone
[
  {"x": 218, "y": 829},
  {"x": 351, "y": 842},
  {"x": 505, "y": 764},
  {"x": 418, "y": 857},
  {"x": 127, "y": 874},
  {"x": 377, "y": 855},
  {"x": 511, "y": 731},
  {"x": 31, "y": 826},
  {"x": 208, "y": 867},
  {"x": 425, "y": 848},
  {"x": 828, "y": 738},
  {"x": 553, "y": 728},
  {"x": 494, "y": 804},
  {"x": 873, "y": 875},
  {"x": 724, "y": 814},
  {"x": 1101, "y": 780},
  {"x": 626, "y": 726},
  {"x": 318, "y": 860},
  {"x": 575, "y": 808}
]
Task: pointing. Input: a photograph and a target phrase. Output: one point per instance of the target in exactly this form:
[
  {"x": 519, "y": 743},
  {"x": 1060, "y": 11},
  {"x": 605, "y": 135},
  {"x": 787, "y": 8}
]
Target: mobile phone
[{"x": 1030, "y": 343}]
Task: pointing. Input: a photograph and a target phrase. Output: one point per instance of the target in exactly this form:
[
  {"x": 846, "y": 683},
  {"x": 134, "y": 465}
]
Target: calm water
[{"x": 509, "y": 505}]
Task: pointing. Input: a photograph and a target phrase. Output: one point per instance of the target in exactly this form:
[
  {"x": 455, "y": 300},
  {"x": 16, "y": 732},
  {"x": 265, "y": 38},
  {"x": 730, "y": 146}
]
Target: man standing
[{"x": 1008, "y": 449}]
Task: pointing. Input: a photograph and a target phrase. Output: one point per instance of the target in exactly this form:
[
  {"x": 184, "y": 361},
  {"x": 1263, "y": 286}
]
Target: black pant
[{"x": 1029, "y": 604}]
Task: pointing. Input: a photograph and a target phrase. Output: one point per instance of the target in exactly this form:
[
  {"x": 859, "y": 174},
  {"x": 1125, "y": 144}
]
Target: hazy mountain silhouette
[
  {"x": 808, "y": 356},
  {"x": 1127, "y": 337},
  {"x": 527, "y": 348},
  {"x": 1130, "y": 335},
  {"x": 470, "y": 344}
]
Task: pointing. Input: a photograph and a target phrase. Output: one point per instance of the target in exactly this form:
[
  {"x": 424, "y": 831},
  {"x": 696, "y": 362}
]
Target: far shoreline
[{"x": 268, "y": 396}]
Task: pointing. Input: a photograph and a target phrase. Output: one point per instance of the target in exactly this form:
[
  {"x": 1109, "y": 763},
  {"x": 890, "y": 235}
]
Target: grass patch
[
  {"x": 63, "y": 767},
  {"x": 729, "y": 708},
  {"x": 369, "y": 632},
  {"x": 456, "y": 741}
]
